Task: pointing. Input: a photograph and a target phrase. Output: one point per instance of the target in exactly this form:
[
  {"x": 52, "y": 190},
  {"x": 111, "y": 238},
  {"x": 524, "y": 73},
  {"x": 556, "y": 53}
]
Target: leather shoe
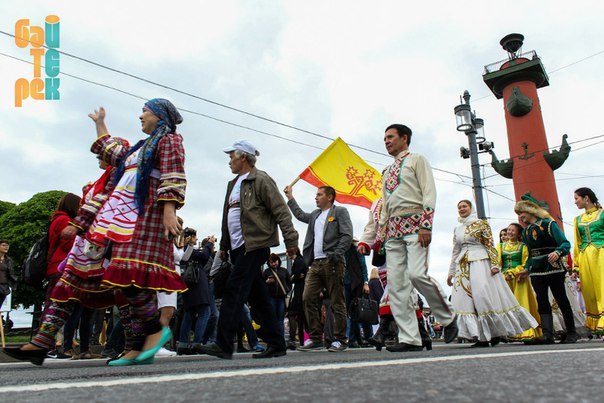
[
  {"x": 451, "y": 331},
  {"x": 495, "y": 341},
  {"x": 403, "y": 347},
  {"x": 481, "y": 344},
  {"x": 215, "y": 350},
  {"x": 570, "y": 338},
  {"x": 377, "y": 340},
  {"x": 36, "y": 357},
  {"x": 270, "y": 352}
]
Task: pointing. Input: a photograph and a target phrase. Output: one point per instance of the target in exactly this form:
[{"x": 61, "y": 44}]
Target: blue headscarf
[{"x": 168, "y": 119}]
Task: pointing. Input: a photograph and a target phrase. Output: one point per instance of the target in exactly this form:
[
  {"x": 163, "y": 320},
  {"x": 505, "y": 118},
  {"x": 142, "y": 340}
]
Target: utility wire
[
  {"x": 222, "y": 120},
  {"x": 148, "y": 81},
  {"x": 213, "y": 102}
]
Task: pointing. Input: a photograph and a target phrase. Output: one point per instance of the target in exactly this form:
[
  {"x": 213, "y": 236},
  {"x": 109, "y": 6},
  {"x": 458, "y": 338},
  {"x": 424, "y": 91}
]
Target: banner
[{"x": 355, "y": 181}]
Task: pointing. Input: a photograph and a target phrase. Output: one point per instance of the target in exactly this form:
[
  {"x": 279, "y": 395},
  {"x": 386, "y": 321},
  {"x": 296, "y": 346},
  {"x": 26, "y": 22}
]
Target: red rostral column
[{"x": 531, "y": 165}]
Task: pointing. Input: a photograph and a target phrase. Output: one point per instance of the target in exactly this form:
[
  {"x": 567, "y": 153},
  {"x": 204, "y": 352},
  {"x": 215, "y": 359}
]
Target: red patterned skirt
[{"x": 88, "y": 292}]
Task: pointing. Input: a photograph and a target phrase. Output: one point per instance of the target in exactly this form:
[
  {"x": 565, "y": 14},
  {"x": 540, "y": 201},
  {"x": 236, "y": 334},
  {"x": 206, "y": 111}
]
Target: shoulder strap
[
  {"x": 278, "y": 281},
  {"x": 51, "y": 254}
]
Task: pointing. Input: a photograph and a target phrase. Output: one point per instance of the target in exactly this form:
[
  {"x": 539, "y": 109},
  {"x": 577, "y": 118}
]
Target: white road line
[{"x": 275, "y": 370}]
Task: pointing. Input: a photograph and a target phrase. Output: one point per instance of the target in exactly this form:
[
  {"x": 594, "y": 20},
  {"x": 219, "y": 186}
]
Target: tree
[
  {"x": 22, "y": 225},
  {"x": 5, "y": 206}
]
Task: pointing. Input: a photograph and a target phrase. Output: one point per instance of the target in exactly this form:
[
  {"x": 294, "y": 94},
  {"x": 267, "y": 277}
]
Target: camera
[{"x": 189, "y": 232}]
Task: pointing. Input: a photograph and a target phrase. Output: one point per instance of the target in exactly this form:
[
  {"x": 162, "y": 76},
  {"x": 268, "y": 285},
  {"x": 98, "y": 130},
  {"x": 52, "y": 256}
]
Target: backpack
[
  {"x": 35, "y": 265},
  {"x": 190, "y": 272}
]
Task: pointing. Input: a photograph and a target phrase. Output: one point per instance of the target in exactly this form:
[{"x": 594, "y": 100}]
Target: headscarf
[
  {"x": 168, "y": 119},
  {"x": 470, "y": 219}
]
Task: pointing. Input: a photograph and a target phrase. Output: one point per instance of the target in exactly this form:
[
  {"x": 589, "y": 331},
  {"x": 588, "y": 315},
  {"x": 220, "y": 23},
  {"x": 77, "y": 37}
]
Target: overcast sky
[{"x": 337, "y": 68}]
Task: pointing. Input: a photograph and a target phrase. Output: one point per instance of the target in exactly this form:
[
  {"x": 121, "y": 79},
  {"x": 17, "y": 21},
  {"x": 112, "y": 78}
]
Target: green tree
[
  {"x": 5, "y": 206},
  {"x": 22, "y": 225}
]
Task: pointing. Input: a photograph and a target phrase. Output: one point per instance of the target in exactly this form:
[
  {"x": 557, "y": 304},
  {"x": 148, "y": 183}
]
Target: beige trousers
[{"x": 407, "y": 263}]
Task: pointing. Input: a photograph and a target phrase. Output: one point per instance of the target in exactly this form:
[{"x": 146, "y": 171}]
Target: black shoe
[
  {"x": 451, "y": 331},
  {"x": 481, "y": 344},
  {"x": 36, "y": 357},
  {"x": 403, "y": 347},
  {"x": 184, "y": 351},
  {"x": 354, "y": 344},
  {"x": 495, "y": 341},
  {"x": 377, "y": 340},
  {"x": 290, "y": 345},
  {"x": 270, "y": 352},
  {"x": 215, "y": 350},
  {"x": 427, "y": 343},
  {"x": 570, "y": 338},
  {"x": 242, "y": 350}
]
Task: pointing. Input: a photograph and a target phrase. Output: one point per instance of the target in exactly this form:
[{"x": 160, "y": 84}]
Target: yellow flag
[{"x": 355, "y": 181}]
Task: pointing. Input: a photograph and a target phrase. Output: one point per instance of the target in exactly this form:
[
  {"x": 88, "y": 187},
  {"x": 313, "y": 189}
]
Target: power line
[
  {"x": 211, "y": 101},
  {"x": 225, "y": 121},
  {"x": 538, "y": 161}
]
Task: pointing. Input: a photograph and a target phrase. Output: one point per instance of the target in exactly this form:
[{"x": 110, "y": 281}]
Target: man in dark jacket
[
  {"x": 252, "y": 211},
  {"x": 328, "y": 237}
]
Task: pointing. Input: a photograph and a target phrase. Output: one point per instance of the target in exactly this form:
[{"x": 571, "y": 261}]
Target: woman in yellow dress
[
  {"x": 589, "y": 257},
  {"x": 513, "y": 255}
]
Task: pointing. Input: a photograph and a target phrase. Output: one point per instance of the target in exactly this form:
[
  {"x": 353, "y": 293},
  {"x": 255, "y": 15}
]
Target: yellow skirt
[
  {"x": 591, "y": 273},
  {"x": 523, "y": 291}
]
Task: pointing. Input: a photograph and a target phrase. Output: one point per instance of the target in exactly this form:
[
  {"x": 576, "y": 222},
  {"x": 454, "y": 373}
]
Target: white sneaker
[{"x": 164, "y": 352}]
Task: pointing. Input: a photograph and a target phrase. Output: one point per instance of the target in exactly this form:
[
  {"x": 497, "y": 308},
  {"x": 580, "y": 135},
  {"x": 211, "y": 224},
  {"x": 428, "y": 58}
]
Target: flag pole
[{"x": 294, "y": 182}]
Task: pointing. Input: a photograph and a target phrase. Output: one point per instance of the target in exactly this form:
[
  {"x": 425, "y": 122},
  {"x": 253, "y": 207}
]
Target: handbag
[
  {"x": 364, "y": 310},
  {"x": 190, "y": 272}
]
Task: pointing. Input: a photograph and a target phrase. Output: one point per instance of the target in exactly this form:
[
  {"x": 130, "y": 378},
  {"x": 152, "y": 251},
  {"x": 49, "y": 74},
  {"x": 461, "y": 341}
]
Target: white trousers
[{"x": 407, "y": 263}]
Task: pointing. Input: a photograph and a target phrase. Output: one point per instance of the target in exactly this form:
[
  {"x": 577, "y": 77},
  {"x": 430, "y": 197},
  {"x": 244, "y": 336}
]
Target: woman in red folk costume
[{"x": 140, "y": 220}]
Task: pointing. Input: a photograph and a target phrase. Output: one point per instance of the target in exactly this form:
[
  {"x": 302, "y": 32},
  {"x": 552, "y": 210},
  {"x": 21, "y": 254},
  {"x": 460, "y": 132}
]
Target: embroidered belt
[
  {"x": 407, "y": 211},
  {"x": 542, "y": 251}
]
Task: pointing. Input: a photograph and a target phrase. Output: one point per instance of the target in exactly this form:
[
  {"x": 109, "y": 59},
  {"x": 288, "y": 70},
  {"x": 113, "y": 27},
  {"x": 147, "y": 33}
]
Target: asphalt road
[{"x": 456, "y": 373}]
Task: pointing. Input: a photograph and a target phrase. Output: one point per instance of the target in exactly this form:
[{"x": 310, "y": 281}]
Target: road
[{"x": 457, "y": 373}]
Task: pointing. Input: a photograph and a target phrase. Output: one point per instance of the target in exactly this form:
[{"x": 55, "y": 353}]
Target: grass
[{"x": 17, "y": 339}]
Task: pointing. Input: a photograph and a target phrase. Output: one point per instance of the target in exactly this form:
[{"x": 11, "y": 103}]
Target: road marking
[{"x": 274, "y": 370}]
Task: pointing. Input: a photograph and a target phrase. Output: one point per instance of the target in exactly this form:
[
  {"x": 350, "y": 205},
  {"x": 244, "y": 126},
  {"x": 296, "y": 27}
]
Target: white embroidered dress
[{"x": 485, "y": 305}]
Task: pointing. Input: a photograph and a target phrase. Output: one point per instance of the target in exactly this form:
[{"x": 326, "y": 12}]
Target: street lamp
[{"x": 473, "y": 127}]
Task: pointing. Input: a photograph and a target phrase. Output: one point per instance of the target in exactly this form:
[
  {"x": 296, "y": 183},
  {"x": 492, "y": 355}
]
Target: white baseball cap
[{"x": 242, "y": 145}]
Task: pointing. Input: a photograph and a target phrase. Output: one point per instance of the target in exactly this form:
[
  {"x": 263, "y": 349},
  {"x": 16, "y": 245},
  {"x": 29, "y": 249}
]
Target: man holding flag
[{"x": 328, "y": 237}]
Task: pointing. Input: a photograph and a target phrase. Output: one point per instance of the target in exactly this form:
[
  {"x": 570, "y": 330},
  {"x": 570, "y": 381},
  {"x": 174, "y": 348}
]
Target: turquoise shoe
[
  {"x": 124, "y": 362},
  {"x": 121, "y": 362},
  {"x": 166, "y": 335}
]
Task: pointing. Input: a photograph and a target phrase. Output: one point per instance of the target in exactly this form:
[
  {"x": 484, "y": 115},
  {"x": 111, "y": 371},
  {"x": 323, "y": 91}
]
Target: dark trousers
[
  {"x": 555, "y": 282},
  {"x": 354, "y": 327},
  {"x": 246, "y": 283},
  {"x": 323, "y": 274}
]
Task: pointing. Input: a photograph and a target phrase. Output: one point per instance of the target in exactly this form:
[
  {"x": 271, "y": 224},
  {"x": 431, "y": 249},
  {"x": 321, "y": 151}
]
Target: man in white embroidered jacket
[{"x": 405, "y": 227}]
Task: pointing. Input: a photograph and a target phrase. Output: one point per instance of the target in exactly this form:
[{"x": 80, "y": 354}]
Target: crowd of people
[{"x": 121, "y": 246}]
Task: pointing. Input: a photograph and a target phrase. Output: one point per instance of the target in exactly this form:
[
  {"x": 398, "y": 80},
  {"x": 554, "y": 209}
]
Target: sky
[{"x": 338, "y": 68}]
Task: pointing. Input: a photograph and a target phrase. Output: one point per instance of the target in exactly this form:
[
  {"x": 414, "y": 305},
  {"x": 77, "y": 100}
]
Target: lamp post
[{"x": 472, "y": 126}]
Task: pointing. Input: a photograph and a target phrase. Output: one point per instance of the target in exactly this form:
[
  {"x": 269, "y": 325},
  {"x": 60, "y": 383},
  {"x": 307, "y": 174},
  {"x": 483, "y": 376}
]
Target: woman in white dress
[{"x": 486, "y": 307}]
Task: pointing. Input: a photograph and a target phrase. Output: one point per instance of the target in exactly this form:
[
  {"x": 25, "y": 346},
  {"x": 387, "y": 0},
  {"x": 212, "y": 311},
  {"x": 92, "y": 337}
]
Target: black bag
[
  {"x": 221, "y": 277},
  {"x": 36, "y": 263},
  {"x": 364, "y": 310},
  {"x": 378, "y": 259},
  {"x": 190, "y": 272}
]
